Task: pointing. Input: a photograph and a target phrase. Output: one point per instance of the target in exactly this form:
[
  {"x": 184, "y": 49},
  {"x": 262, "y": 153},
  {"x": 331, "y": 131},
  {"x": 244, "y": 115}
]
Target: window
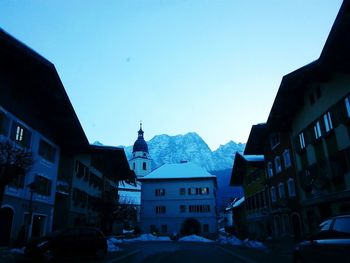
[
  {"x": 192, "y": 191},
  {"x": 301, "y": 140},
  {"x": 342, "y": 225},
  {"x": 273, "y": 194},
  {"x": 347, "y": 105},
  {"x": 43, "y": 185},
  {"x": 204, "y": 190},
  {"x": 206, "y": 228},
  {"x": 144, "y": 166},
  {"x": 133, "y": 166},
  {"x": 328, "y": 122},
  {"x": 17, "y": 181},
  {"x": 82, "y": 171},
  {"x": 199, "y": 208},
  {"x": 281, "y": 190},
  {"x": 20, "y": 135},
  {"x": 164, "y": 228},
  {"x": 160, "y": 209},
  {"x": 47, "y": 151},
  {"x": 274, "y": 140},
  {"x": 4, "y": 124},
  {"x": 291, "y": 187},
  {"x": 324, "y": 226},
  {"x": 317, "y": 130},
  {"x": 160, "y": 192},
  {"x": 182, "y": 191},
  {"x": 286, "y": 159},
  {"x": 269, "y": 169},
  {"x": 182, "y": 209},
  {"x": 278, "y": 166},
  {"x": 79, "y": 197}
]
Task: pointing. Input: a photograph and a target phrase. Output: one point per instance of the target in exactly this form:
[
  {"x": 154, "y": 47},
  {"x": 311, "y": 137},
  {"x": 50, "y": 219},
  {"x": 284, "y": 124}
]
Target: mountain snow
[{"x": 190, "y": 147}]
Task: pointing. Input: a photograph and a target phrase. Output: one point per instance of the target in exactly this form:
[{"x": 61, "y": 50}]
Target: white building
[{"x": 179, "y": 198}]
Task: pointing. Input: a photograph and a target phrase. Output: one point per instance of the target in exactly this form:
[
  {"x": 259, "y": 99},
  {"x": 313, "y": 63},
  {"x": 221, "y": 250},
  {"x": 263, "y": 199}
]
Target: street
[{"x": 169, "y": 252}]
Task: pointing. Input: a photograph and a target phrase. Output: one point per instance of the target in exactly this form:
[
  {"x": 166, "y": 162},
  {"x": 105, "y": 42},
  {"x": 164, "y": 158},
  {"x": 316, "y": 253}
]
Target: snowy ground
[
  {"x": 113, "y": 243},
  {"x": 194, "y": 238},
  {"x": 232, "y": 240}
]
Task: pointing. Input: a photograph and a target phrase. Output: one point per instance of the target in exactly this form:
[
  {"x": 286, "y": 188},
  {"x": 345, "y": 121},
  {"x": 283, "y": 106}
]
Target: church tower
[{"x": 140, "y": 161}]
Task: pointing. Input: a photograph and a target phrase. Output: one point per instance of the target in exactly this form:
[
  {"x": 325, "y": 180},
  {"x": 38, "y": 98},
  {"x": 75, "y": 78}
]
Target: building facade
[
  {"x": 179, "y": 198},
  {"x": 36, "y": 115},
  {"x": 248, "y": 171}
]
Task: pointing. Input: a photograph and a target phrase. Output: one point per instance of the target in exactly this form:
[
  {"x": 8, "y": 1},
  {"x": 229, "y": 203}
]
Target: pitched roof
[
  {"x": 186, "y": 170},
  {"x": 32, "y": 90},
  {"x": 255, "y": 143},
  {"x": 335, "y": 57}
]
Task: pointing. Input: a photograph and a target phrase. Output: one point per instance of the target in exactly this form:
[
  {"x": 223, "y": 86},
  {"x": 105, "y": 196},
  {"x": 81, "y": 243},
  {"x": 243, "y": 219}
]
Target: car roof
[{"x": 339, "y": 216}]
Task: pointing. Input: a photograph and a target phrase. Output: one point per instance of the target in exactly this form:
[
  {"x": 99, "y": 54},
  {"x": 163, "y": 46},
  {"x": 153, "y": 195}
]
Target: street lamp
[{"x": 32, "y": 188}]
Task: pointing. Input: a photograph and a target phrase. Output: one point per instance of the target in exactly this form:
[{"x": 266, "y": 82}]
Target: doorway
[{"x": 6, "y": 219}]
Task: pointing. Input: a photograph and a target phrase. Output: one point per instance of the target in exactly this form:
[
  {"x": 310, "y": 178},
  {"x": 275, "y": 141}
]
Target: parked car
[
  {"x": 70, "y": 242},
  {"x": 330, "y": 243}
]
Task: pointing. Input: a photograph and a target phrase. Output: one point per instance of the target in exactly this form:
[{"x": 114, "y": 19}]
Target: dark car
[
  {"x": 70, "y": 242},
  {"x": 330, "y": 243}
]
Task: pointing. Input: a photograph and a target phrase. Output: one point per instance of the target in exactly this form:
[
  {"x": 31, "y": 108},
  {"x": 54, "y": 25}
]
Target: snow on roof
[
  {"x": 238, "y": 202},
  {"x": 235, "y": 203},
  {"x": 129, "y": 186},
  {"x": 179, "y": 170},
  {"x": 254, "y": 158}
]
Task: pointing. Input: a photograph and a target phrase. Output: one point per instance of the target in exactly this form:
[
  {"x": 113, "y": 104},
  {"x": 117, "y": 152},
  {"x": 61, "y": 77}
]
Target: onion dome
[{"x": 140, "y": 144}]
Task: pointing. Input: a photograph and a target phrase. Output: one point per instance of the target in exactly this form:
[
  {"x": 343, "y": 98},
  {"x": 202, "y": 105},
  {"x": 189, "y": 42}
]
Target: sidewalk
[{"x": 277, "y": 251}]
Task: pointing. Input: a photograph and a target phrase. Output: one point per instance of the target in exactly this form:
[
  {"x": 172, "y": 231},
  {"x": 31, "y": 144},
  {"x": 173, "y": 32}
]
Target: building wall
[
  {"x": 323, "y": 166},
  {"x": 75, "y": 206},
  {"x": 173, "y": 218},
  {"x": 285, "y": 203},
  {"x": 18, "y": 197},
  {"x": 256, "y": 202}
]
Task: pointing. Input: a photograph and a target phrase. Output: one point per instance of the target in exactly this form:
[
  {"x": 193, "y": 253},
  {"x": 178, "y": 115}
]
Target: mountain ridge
[{"x": 164, "y": 148}]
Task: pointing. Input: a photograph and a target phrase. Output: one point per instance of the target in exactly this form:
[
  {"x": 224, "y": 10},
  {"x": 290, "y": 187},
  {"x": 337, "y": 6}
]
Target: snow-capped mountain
[{"x": 190, "y": 147}]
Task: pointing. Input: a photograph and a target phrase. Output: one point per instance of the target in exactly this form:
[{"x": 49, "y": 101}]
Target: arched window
[{"x": 144, "y": 166}]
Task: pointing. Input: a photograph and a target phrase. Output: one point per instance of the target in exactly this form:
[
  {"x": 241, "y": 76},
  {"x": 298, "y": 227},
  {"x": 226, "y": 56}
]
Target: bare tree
[{"x": 14, "y": 161}]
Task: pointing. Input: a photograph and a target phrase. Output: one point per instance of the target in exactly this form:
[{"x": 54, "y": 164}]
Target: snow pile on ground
[
  {"x": 254, "y": 244},
  {"x": 128, "y": 231},
  {"x": 112, "y": 244},
  {"x": 231, "y": 240},
  {"x": 194, "y": 238},
  {"x": 143, "y": 237},
  {"x": 17, "y": 250}
]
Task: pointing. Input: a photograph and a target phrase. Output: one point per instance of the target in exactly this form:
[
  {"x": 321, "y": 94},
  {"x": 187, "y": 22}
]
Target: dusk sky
[{"x": 206, "y": 66}]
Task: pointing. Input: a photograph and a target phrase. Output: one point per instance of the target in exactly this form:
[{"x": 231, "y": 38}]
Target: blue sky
[{"x": 209, "y": 66}]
